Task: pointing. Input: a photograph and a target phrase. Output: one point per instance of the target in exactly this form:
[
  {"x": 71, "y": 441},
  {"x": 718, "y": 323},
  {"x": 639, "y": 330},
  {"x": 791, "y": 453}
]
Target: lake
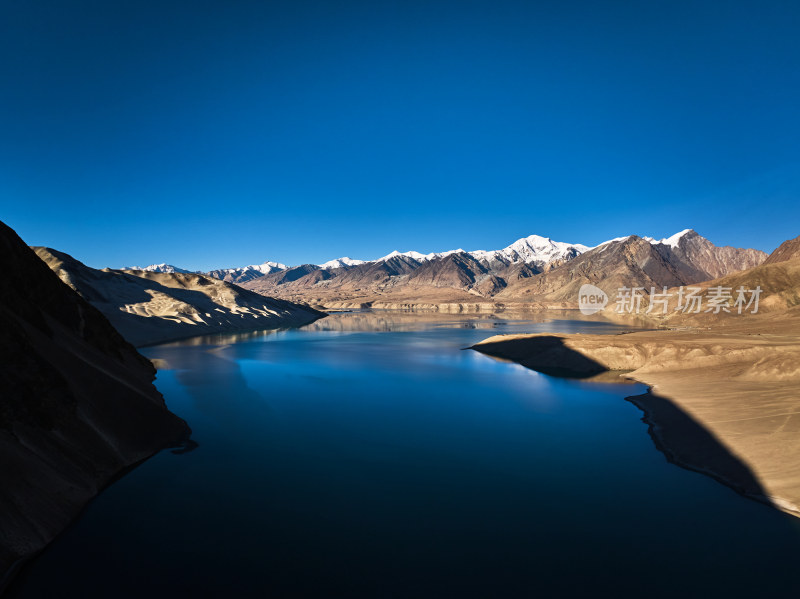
[{"x": 369, "y": 455}]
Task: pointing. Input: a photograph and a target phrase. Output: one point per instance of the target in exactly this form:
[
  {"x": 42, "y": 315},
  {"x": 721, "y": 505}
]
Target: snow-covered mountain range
[
  {"x": 246, "y": 273},
  {"x": 533, "y": 250}
]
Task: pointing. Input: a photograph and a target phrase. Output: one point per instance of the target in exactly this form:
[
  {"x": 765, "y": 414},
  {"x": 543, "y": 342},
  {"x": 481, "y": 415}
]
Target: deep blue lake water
[{"x": 367, "y": 455}]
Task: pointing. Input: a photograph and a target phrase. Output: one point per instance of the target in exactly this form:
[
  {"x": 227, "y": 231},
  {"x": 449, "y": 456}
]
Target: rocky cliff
[{"x": 77, "y": 405}]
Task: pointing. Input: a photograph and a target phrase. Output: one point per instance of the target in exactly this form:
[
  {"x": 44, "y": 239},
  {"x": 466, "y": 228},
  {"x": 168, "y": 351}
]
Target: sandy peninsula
[{"x": 724, "y": 403}]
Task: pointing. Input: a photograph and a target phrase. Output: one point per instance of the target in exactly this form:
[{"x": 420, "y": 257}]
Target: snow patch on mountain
[
  {"x": 671, "y": 241},
  {"x": 419, "y": 257}
]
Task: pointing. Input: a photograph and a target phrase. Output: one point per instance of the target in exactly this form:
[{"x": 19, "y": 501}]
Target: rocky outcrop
[
  {"x": 77, "y": 404},
  {"x": 153, "y": 307}
]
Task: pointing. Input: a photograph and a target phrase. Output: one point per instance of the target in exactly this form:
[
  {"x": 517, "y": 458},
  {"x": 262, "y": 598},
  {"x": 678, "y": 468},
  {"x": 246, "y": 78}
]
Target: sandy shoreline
[{"x": 726, "y": 404}]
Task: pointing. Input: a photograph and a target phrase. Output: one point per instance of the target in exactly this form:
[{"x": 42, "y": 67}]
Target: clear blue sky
[{"x": 210, "y": 134}]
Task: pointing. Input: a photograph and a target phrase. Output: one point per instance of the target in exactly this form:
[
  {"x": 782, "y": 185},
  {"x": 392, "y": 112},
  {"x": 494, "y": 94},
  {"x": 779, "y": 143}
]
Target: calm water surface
[{"x": 367, "y": 455}]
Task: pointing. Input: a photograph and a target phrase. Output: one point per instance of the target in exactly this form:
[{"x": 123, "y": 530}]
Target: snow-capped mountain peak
[
  {"x": 275, "y": 265},
  {"x": 533, "y": 249},
  {"x": 267, "y": 267},
  {"x": 340, "y": 262},
  {"x": 158, "y": 268}
]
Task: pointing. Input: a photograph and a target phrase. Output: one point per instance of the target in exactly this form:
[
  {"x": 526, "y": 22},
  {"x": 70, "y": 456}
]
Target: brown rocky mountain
[
  {"x": 318, "y": 286},
  {"x": 631, "y": 262},
  {"x": 636, "y": 262},
  {"x": 777, "y": 280},
  {"x": 788, "y": 250},
  {"x": 710, "y": 261},
  {"x": 77, "y": 406},
  {"x": 231, "y": 275},
  {"x": 469, "y": 278},
  {"x": 399, "y": 279},
  {"x": 456, "y": 271},
  {"x": 777, "y": 309},
  {"x": 152, "y": 307},
  {"x": 295, "y": 273},
  {"x": 375, "y": 272}
]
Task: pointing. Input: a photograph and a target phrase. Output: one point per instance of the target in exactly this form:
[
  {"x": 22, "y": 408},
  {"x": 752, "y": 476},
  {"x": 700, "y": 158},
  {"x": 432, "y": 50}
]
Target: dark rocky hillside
[{"x": 77, "y": 405}]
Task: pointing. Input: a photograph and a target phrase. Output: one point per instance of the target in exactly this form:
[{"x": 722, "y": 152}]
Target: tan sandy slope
[
  {"x": 151, "y": 307},
  {"x": 742, "y": 388}
]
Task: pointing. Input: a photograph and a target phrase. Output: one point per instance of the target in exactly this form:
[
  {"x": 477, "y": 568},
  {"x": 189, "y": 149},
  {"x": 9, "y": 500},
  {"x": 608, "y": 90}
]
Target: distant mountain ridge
[
  {"x": 169, "y": 268},
  {"x": 532, "y": 249},
  {"x": 532, "y": 270},
  {"x": 245, "y": 273}
]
